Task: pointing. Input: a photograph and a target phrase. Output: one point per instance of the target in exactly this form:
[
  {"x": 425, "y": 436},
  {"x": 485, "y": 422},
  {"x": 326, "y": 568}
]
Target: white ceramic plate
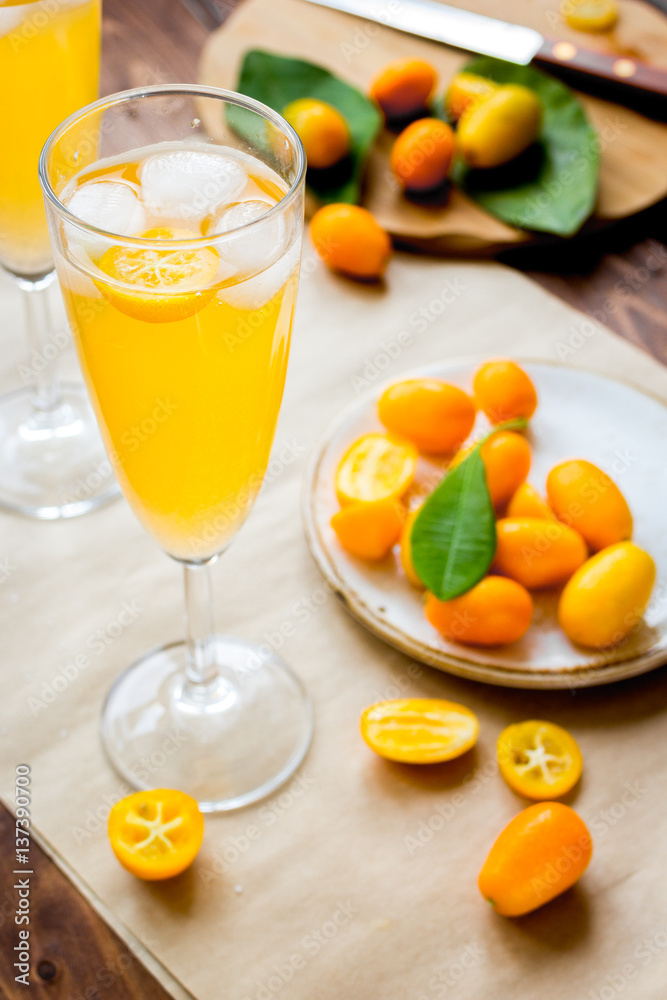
[{"x": 580, "y": 415}]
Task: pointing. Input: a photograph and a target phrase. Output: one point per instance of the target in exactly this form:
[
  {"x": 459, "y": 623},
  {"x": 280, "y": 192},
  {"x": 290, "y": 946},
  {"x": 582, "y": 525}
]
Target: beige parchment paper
[{"x": 357, "y": 880}]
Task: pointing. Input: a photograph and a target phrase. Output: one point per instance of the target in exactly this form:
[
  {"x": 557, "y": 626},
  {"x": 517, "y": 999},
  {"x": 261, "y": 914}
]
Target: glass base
[
  {"x": 52, "y": 463},
  {"x": 227, "y": 743}
]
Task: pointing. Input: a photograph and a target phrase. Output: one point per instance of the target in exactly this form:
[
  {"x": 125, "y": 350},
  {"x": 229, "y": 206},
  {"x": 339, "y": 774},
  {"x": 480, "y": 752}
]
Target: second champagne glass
[
  {"x": 52, "y": 462},
  {"x": 183, "y": 331}
]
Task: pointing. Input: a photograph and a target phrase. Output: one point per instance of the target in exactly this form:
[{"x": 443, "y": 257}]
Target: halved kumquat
[
  {"x": 156, "y": 834},
  {"x": 376, "y": 467},
  {"x": 160, "y": 284},
  {"x": 419, "y": 730},
  {"x": 539, "y": 759}
]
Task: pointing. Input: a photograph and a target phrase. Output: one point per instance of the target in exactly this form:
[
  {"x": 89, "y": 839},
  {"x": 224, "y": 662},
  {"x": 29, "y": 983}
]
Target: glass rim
[{"x": 193, "y": 89}]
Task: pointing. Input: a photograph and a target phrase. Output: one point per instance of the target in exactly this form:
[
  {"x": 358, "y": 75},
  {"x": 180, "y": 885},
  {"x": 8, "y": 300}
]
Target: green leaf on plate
[
  {"x": 454, "y": 535},
  {"x": 277, "y": 80},
  {"x": 552, "y": 187},
  {"x": 453, "y": 539}
]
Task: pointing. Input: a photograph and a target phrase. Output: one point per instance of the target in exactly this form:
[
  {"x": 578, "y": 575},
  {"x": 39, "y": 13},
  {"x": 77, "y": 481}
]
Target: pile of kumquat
[{"x": 577, "y": 538}]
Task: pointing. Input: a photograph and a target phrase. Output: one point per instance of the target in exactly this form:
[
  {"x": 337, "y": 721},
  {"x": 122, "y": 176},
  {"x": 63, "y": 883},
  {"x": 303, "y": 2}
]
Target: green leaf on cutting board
[
  {"x": 453, "y": 539},
  {"x": 552, "y": 187},
  {"x": 276, "y": 80}
]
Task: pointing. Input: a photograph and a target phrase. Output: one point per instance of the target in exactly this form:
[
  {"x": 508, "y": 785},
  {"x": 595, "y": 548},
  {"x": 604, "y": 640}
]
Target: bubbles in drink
[
  {"x": 190, "y": 184},
  {"x": 253, "y": 251}
]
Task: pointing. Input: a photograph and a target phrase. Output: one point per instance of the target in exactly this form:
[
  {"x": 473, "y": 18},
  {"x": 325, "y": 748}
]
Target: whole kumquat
[
  {"x": 540, "y": 853},
  {"x": 465, "y": 91},
  {"x": 527, "y": 502},
  {"x": 585, "y": 497},
  {"x": 504, "y": 391},
  {"x": 500, "y": 127},
  {"x": 506, "y": 457},
  {"x": 606, "y": 598},
  {"x": 349, "y": 240},
  {"x": 322, "y": 129},
  {"x": 422, "y": 154},
  {"x": 369, "y": 530},
  {"x": 403, "y": 87},
  {"x": 495, "y": 612},
  {"x": 537, "y": 553},
  {"x": 435, "y": 416}
]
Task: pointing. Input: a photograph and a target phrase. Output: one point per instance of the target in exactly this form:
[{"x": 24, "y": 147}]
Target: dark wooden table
[{"x": 618, "y": 276}]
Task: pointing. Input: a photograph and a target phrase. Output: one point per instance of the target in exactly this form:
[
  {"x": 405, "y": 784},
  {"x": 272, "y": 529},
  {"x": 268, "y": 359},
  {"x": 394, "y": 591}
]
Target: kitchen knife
[{"x": 464, "y": 29}]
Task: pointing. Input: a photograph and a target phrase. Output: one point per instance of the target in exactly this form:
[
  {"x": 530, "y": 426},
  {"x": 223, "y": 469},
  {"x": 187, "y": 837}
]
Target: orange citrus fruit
[
  {"x": 322, "y": 129},
  {"x": 349, "y": 240},
  {"x": 376, "y": 467},
  {"x": 539, "y": 759},
  {"x": 419, "y": 730},
  {"x": 369, "y": 530},
  {"x": 540, "y": 853},
  {"x": 156, "y": 834},
  {"x": 159, "y": 284},
  {"x": 495, "y": 612}
]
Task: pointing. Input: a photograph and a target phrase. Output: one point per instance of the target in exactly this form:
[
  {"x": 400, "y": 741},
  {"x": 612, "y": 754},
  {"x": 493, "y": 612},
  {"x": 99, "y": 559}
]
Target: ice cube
[
  {"x": 189, "y": 184},
  {"x": 110, "y": 205},
  {"x": 253, "y": 251},
  {"x": 255, "y": 292},
  {"x": 240, "y": 214}
]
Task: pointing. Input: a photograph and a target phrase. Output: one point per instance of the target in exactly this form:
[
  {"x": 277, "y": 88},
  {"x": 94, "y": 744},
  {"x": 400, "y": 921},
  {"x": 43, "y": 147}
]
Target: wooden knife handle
[{"x": 620, "y": 70}]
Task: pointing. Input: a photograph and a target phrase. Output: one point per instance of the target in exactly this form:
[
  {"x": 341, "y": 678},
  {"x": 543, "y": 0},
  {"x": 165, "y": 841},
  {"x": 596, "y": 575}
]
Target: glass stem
[
  {"x": 43, "y": 349},
  {"x": 201, "y": 669}
]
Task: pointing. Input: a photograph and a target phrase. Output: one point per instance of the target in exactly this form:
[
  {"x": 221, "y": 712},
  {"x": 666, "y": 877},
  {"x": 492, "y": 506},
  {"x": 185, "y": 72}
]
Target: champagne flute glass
[
  {"x": 182, "y": 324},
  {"x": 52, "y": 462}
]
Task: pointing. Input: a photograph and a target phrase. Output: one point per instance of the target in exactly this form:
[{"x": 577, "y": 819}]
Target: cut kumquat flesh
[
  {"x": 156, "y": 834},
  {"x": 376, "y": 467},
  {"x": 419, "y": 730},
  {"x": 539, "y": 759},
  {"x": 159, "y": 285}
]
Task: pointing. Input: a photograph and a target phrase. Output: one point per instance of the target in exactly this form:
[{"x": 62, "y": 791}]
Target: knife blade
[
  {"x": 487, "y": 36},
  {"x": 460, "y": 28}
]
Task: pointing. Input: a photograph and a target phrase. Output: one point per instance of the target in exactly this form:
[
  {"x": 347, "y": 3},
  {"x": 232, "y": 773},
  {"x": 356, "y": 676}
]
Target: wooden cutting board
[{"x": 634, "y": 148}]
